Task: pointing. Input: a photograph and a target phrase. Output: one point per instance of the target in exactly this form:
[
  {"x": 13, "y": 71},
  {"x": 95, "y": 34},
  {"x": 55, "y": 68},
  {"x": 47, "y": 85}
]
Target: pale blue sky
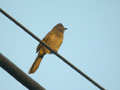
[{"x": 92, "y": 42}]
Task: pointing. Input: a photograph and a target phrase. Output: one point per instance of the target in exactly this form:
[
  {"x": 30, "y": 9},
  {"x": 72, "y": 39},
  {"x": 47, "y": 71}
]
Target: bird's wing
[
  {"x": 45, "y": 40},
  {"x": 38, "y": 48}
]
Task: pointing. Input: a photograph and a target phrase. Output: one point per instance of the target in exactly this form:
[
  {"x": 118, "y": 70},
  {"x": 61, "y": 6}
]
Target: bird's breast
[{"x": 55, "y": 41}]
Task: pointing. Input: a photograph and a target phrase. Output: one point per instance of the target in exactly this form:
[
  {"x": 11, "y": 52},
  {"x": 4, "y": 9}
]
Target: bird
[{"x": 53, "y": 39}]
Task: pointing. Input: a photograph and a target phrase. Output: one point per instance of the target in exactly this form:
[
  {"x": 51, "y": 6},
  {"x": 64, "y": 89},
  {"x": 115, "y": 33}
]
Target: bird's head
[{"x": 60, "y": 27}]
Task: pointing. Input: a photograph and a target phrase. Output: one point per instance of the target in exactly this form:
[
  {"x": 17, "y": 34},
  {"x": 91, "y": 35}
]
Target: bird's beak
[{"x": 65, "y": 28}]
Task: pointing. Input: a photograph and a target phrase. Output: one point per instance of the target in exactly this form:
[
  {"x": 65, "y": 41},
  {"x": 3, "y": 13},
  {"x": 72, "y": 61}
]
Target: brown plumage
[{"x": 54, "y": 40}]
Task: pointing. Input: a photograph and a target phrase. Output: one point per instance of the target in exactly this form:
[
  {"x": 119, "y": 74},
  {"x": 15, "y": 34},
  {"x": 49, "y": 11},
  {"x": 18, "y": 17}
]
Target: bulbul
[{"x": 53, "y": 39}]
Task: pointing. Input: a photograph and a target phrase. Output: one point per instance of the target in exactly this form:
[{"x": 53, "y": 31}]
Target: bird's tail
[{"x": 36, "y": 64}]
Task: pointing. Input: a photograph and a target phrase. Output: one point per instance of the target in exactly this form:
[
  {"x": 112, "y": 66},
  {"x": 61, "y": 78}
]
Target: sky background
[{"x": 92, "y": 42}]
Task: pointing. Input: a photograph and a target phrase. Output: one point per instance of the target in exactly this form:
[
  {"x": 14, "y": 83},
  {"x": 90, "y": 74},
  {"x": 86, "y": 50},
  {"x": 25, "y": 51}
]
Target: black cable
[{"x": 61, "y": 57}]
